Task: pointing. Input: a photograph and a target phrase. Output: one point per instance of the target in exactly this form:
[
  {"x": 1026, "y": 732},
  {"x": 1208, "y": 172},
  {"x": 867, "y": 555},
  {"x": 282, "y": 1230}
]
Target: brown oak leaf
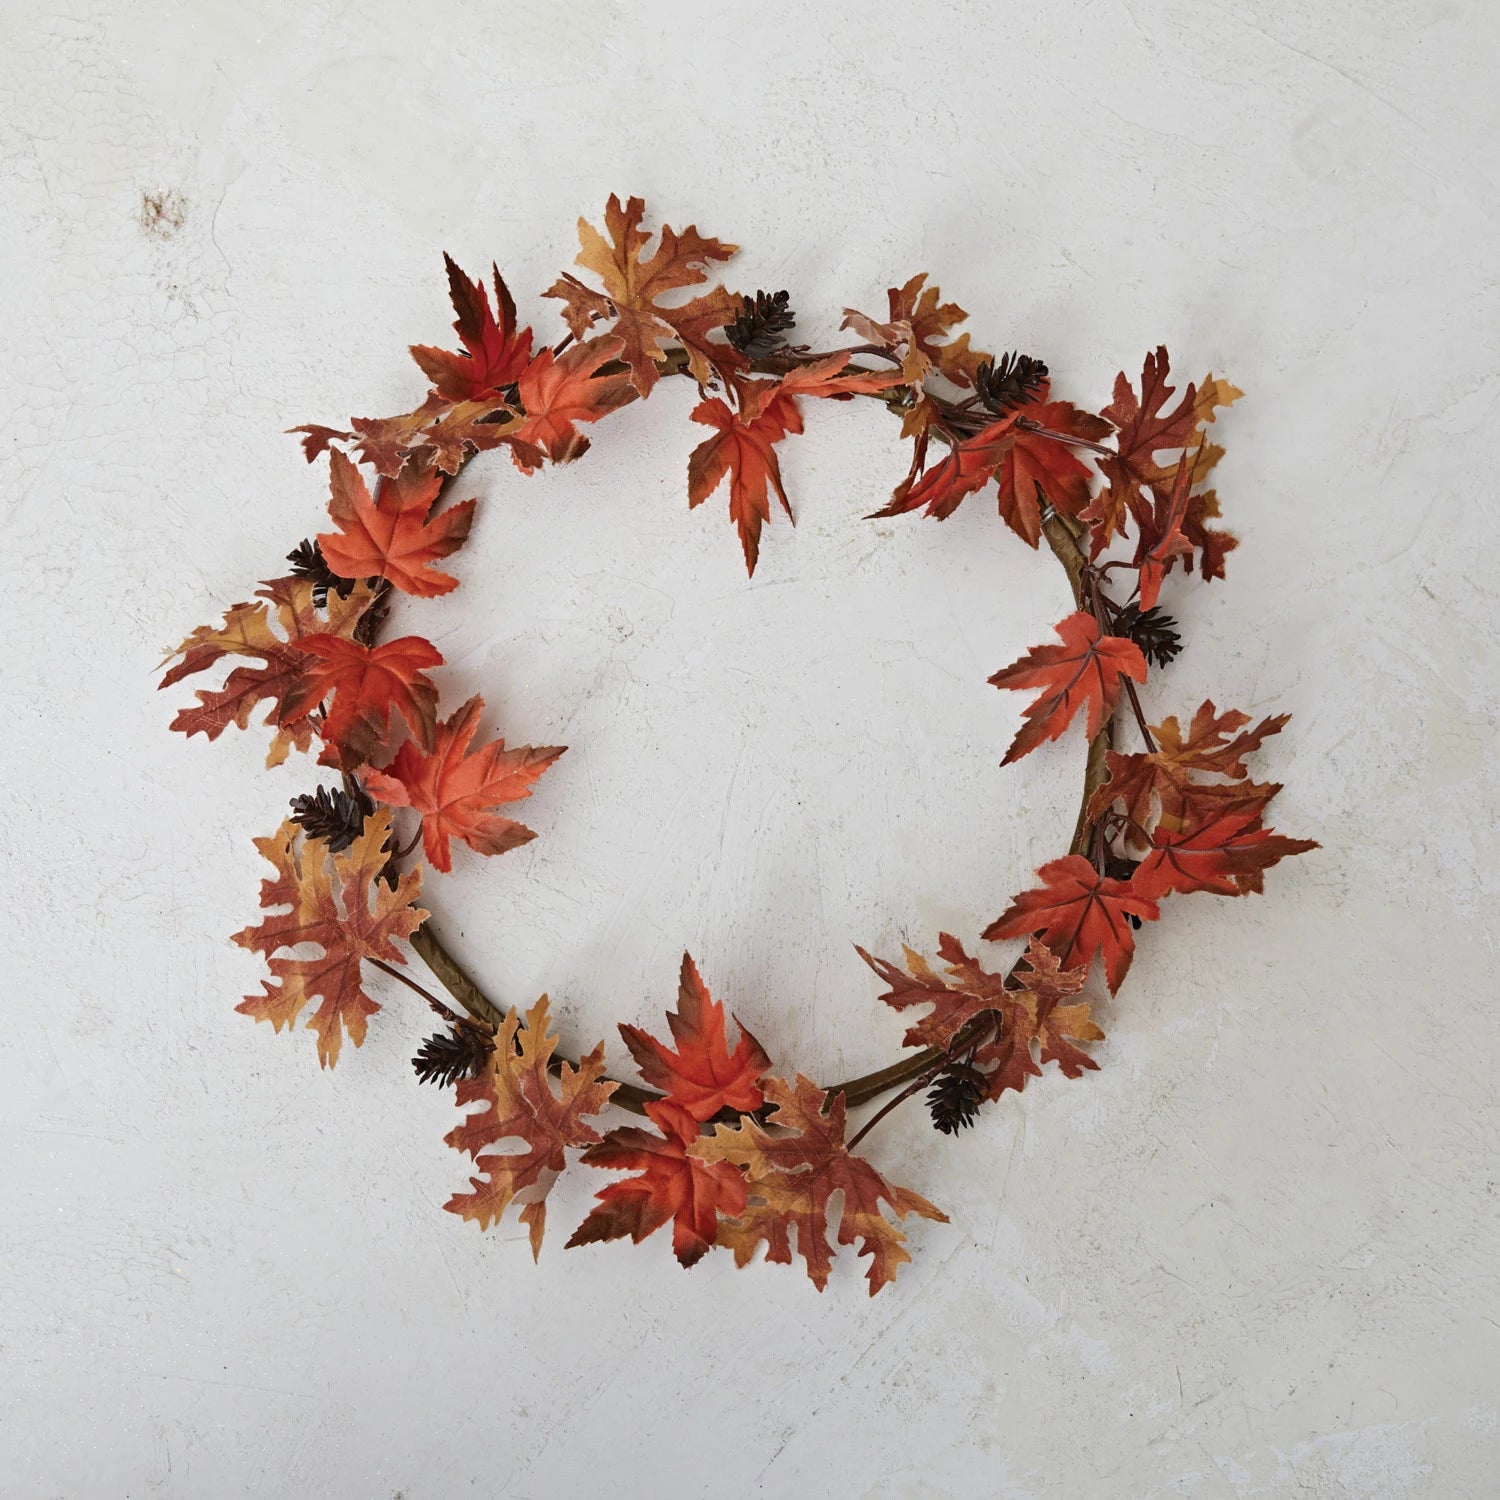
[
  {"x": 1026, "y": 1008},
  {"x": 633, "y": 286},
  {"x": 1135, "y": 476},
  {"x": 1161, "y": 540},
  {"x": 265, "y": 630},
  {"x": 794, "y": 1167},
  {"x": 917, "y": 332},
  {"x": 1165, "y": 783},
  {"x": 339, "y": 903},
  {"x": 519, "y": 1102}
]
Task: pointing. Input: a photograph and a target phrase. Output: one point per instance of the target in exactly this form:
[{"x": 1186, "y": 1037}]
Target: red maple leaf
[
  {"x": 392, "y": 536},
  {"x": 702, "y": 1076},
  {"x": 452, "y": 787},
  {"x": 496, "y": 352},
  {"x": 744, "y": 443},
  {"x": 557, "y": 393},
  {"x": 745, "y": 452},
  {"x": 1084, "y": 672},
  {"x": 669, "y": 1185},
  {"x": 367, "y": 684},
  {"x": 1031, "y": 468},
  {"x": 1227, "y": 854},
  {"x": 1079, "y": 913},
  {"x": 968, "y": 466}
]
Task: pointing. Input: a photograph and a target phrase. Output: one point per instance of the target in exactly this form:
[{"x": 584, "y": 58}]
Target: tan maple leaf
[
  {"x": 633, "y": 287},
  {"x": 519, "y": 1102},
  {"x": 337, "y": 902},
  {"x": 794, "y": 1168}
]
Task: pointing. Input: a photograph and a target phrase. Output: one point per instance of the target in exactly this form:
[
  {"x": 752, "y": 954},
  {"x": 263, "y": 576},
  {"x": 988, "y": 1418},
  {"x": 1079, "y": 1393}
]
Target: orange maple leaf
[
  {"x": 1227, "y": 854},
  {"x": 519, "y": 1102},
  {"x": 1164, "y": 783},
  {"x": 793, "y": 1174},
  {"x": 702, "y": 1076},
  {"x": 917, "y": 330},
  {"x": 1078, "y": 913},
  {"x": 249, "y": 630},
  {"x": 452, "y": 787},
  {"x": 360, "y": 921},
  {"x": 1084, "y": 672},
  {"x": 558, "y": 393},
  {"x": 392, "y": 536},
  {"x": 368, "y": 684},
  {"x": 495, "y": 352},
  {"x": 669, "y": 1185},
  {"x": 633, "y": 287}
]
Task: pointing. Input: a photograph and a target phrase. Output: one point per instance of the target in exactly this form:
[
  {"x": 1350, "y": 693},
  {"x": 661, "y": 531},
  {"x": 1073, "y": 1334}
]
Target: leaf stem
[{"x": 1065, "y": 437}]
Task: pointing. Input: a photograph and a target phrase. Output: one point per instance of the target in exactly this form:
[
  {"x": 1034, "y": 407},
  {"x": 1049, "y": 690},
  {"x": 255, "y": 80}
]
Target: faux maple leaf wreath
[{"x": 732, "y": 1155}]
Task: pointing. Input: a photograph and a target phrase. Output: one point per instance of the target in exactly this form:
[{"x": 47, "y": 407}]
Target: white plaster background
[{"x": 1256, "y": 1254}]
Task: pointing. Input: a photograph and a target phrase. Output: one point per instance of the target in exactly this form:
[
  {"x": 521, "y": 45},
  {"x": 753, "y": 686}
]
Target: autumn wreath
[{"x": 731, "y": 1155}]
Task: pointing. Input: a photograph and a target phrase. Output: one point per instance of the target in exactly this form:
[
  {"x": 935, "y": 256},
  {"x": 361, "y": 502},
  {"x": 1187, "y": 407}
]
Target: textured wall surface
[{"x": 1255, "y": 1255}]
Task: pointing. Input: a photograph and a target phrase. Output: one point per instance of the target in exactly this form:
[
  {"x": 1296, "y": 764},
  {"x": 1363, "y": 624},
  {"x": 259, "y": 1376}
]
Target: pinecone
[
  {"x": 954, "y": 1099},
  {"x": 332, "y": 815},
  {"x": 446, "y": 1056},
  {"x": 1153, "y": 631},
  {"x": 1014, "y": 380},
  {"x": 307, "y": 561},
  {"x": 762, "y": 320}
]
